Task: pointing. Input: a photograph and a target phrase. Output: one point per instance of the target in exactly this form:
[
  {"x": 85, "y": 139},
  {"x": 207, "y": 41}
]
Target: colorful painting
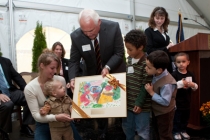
[
  {"x": 98, "y": 94},
  {"x": 98, "y": 97}
]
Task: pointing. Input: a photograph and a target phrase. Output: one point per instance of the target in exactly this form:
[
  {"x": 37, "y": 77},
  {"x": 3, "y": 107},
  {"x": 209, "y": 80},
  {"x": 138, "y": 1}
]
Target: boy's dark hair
[
  {"x": 181, "y": 54},
  {"x": 159, "y": 59},
  {"x": 136, "y": 37}
]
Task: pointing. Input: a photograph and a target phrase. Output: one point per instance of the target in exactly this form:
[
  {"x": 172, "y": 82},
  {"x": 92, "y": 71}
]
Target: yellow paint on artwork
[
  {"x": 105, "y": 99},
  {"x": 79, "y": 102}
]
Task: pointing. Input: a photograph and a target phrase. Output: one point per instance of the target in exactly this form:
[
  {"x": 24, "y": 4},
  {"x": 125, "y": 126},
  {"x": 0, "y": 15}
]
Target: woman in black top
[
  {"x": 157, "y": 37},
  {"x": 58, "y": 49}
]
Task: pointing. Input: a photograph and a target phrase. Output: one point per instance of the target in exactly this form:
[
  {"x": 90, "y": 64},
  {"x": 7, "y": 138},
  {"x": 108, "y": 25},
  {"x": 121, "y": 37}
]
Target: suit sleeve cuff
[{"x": 106, "y": 66}]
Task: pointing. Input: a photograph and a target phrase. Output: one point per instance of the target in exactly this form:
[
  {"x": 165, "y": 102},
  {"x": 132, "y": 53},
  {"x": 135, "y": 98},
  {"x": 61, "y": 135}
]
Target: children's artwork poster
[{"x": 98, "y": 98}]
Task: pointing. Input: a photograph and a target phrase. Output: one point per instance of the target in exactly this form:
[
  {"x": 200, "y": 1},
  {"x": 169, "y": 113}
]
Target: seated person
[
  {"x": 10, "y": 95},
  {"x": 58, "y": 102}
]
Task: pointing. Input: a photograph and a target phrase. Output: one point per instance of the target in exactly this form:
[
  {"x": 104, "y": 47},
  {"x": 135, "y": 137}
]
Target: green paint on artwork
[
  {"x": 116, "y": 93},
  {"x": 97, "y": 106},
  {"x": 81, "y": 87},
  {"x": 103, "y": 84}
]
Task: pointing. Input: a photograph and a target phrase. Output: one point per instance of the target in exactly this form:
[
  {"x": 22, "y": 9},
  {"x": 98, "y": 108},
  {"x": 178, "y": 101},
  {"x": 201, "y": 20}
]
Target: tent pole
[
  {"x": 12, "y": 50},
  {"x": 133, "y": 20}
]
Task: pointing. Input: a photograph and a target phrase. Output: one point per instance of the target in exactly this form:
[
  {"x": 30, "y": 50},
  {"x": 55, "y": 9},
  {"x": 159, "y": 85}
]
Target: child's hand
[
  {"x": 149, "y": 89},
  {"x": 137, "y": 109},
  {"x": 191, "y": 84},
  {"x": 43, "y": 111},
  {"x": 185, "y": 83}
]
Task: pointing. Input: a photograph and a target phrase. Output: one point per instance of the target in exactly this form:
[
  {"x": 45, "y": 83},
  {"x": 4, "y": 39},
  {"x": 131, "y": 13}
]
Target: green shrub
[{"x": 38, "y": 46}]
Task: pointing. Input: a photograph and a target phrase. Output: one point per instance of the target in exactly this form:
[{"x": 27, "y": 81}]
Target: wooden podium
[{"x": 198, "y": 48}]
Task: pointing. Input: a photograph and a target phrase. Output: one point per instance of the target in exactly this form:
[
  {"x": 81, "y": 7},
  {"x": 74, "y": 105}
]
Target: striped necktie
[{"x": 98, "y": 56}]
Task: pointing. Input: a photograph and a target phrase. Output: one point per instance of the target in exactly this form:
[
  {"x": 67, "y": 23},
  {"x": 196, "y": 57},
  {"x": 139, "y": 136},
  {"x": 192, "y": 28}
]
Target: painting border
[{"x": 119, "y": 111}]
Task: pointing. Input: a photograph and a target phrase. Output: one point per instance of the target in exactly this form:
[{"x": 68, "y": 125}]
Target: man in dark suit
[
  {"x": 10, "y": 96},
  {"x": 111, "y": 47}
]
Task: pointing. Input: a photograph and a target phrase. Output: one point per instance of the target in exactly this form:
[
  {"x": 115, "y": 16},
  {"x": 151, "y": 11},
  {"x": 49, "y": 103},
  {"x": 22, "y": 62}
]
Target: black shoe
[
  {"x": 26, "y": 131},
  {"x": 4, "y": 135}
]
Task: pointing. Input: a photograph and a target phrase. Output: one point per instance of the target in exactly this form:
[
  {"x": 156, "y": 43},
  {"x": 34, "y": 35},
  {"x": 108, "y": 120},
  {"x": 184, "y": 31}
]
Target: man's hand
[
  {"x": 68, "y": 85},
  {"x": 137, "y": 109},
  {"x": 104, "y": 72},
  {"x": 149, "y": 89},
  {"x": 4, "y": 98},
  {"x": 72, "y": 82}
]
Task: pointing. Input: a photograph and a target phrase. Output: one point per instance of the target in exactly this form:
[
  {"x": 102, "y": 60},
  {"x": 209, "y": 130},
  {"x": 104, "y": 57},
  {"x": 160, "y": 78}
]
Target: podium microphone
[{"x": 197, "y": 22}]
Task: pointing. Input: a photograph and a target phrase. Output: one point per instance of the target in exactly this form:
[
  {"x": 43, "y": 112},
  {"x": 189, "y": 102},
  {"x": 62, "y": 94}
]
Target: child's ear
[
  {"x": 159, "y": 70},
  {"x": 141, "y": 47},
  {"x": 54, "y": 94},
  {"x": 188, "y": 62}
]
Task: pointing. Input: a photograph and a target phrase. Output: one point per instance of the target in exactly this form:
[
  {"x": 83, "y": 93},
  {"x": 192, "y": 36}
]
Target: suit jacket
[
  {"x": 111, "y": 50},
  {"x": 11, "y": 74},
  {"x": 156, "y": 41}
]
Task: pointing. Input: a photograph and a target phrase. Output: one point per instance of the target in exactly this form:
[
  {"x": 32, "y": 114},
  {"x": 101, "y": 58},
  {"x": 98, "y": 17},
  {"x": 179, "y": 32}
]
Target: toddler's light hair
[{"x": 49, "y": 87}]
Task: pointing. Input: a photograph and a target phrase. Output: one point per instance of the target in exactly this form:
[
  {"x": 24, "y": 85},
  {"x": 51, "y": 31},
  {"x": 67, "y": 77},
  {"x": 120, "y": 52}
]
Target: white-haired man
[{"x": 111, "y": 51}]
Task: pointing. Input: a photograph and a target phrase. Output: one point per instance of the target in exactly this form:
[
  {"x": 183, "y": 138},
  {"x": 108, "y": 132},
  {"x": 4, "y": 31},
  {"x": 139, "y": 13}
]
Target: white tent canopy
[{"x": 62, "y": 14}]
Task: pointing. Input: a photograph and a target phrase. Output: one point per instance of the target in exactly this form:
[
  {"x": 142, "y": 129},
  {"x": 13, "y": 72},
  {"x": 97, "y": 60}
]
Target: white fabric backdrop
[{"x": 25, "y": 19}]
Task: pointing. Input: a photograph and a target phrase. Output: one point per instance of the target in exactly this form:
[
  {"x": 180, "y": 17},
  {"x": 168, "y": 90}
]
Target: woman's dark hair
[
  {"x": 59, "y": 44},
  {"x": 159, "y": 11}
]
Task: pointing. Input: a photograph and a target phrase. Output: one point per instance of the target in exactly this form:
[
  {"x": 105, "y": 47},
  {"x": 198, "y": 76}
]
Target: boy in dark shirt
[{"x": 185, "y": 83}]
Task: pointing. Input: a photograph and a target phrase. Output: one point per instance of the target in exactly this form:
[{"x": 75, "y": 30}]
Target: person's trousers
[
  {"x": 181, "y": 118},
  {"x": 42, "y": 132},
  {"x": 102, "y": 125},
  {"x": 75, "y": 132},
  {"x": 136, "y": 122},
  {"x": 16, "y": 98},
  {"x": 163, "y": 125},
  {"x": 61, "y": 133}
]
